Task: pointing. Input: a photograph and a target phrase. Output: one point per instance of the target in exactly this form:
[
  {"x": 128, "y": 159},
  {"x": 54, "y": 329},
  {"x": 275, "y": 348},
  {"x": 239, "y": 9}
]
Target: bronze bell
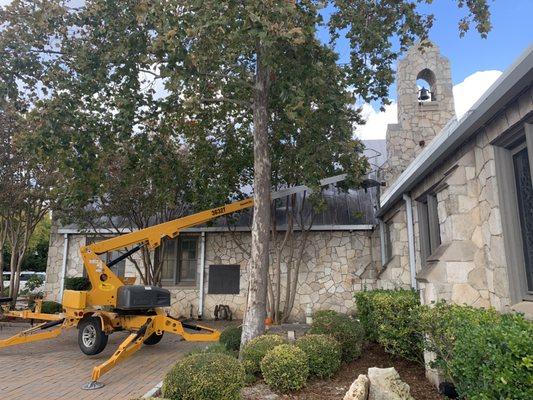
[{"x": 424, "y": 94}]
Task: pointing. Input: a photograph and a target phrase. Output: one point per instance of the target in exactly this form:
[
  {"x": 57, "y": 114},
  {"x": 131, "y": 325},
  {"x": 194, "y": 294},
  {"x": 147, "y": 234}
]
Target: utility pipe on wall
[
  {"x": 202, "y": 271},
  {"x": 411, "y": 239},
  {"x": 63, "y": 268},
  {"x": 382, "y": 240}
]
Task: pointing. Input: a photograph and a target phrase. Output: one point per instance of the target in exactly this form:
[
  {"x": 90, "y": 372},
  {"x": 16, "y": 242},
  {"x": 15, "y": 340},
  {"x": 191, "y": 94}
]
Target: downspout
[
  {"x": 202, "y": 271},
  {"x": 411, "y": 240},
  {"x": 63, "y": 268}
]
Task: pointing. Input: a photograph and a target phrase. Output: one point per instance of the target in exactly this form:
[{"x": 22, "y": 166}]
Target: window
[
  {"x": 118, "y": 269},
  {"x": 514, "y": 171},
  {"x": 224, "y": 279},
  {"x": 524, "y": 193},
  {"x": 428, "y": 224},
  {"x": 386, "y": 242},
  {"x": 180, "y": 260}
]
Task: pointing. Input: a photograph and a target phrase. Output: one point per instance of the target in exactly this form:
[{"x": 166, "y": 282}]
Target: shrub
[
  {"x": 324, "y": 354},
  {"x": 51, "y": 307},
  {"x": 254, "y": 351},
  {"x": 231, "y": 337},
  {"x": 392, "y": 318},
  {"x": 78, "y": 283},
  {"x": 213, "y": 348},
  {"x": 204, "y": 376},
  {"x": 348, "y": 332},
  {"x": 487, "y": 355},
  {"x": 285, "y": 368}
]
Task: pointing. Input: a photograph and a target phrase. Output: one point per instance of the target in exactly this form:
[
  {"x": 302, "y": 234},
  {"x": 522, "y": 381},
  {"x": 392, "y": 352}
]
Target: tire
[
  {"x": 154, "y": 338},
  {"x": 91, "y": 338}
]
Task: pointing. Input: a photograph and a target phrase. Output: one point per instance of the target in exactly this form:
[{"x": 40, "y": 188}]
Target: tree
[
  {"x": 217, "y": 59},
  {"x": 27, "y": 188}
]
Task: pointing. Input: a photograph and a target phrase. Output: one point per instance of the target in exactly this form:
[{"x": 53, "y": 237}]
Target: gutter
[
  {"x": 510, "y": 84},
  {"x": 63, "y": 268},
  {"x": 355, "y": 227}
]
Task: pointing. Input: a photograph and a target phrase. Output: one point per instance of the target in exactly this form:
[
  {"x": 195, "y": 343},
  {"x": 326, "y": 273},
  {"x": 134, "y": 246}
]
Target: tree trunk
[{"x": 254, "y": 317}]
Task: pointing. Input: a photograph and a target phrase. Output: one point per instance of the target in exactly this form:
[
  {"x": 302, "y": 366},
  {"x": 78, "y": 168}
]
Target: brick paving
[{"x": 56, "y": 369}]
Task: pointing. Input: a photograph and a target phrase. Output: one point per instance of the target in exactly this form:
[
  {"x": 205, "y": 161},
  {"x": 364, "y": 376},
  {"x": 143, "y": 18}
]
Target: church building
[{"x": 454, "y": 219}]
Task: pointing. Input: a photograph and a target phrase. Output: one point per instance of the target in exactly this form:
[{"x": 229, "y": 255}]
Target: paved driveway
[{"x": 56, "y": 369}]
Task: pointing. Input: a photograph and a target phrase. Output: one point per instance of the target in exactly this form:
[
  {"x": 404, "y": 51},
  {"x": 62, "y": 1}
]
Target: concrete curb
[{"x": 154, "y": 391}]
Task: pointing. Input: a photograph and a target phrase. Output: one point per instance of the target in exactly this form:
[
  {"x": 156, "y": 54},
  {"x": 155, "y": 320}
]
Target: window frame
[
  {"x": 504, "y": 150},
  {"x": 386, "y": 241},
  {"x": 428, "y": 225},
  {"x": 176, "y": 281}
]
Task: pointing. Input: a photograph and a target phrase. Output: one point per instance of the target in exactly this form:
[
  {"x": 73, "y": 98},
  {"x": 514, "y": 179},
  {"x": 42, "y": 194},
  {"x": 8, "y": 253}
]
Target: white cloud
[
  {"x": 465, "y": 95},
  {"x": 376, "y": 121},
  {"x": 470, "y": 90}
]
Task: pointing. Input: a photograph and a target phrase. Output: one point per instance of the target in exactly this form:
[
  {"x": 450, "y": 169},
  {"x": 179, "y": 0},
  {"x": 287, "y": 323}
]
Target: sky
[{"x": 476, "y": 62}]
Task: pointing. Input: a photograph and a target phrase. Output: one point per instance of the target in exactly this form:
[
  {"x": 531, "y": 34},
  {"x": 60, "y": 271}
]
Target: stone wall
[
  {"x": 334, "y": 265},
  {"x": 470, "y": 265},
  {"x": 418, "y": 122}
]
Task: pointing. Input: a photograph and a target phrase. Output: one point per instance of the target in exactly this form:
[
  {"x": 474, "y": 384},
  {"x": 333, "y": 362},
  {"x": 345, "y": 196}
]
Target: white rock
[
  {"x": 359, "y": 389},
  {"x": 385, "y": 384}
]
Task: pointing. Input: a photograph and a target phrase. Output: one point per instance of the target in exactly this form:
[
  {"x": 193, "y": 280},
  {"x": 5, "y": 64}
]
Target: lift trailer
[{"x": 115, "y": 304}]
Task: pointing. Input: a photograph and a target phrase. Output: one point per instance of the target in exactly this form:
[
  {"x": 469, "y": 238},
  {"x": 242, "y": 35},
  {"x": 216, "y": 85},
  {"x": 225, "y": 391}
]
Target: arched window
[{"x": 425, "y": 81}]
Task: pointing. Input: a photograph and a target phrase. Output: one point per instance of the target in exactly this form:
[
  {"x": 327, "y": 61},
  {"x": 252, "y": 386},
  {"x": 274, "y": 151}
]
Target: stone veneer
[
  {"x": 418, "y": 122},
  {"x": 335, "y": 265},
  {"x": 470, "y": 265}
]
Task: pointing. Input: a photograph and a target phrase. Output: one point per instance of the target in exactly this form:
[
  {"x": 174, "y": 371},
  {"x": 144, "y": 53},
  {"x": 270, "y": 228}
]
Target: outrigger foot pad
[{"x": 93, "y": 385}]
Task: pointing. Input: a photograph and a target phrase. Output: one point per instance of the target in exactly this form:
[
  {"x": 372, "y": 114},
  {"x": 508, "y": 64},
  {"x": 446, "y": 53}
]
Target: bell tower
[{"x": 425, "y": 105}]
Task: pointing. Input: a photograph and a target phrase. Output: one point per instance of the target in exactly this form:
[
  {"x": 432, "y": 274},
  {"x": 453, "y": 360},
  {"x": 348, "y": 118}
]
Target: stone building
[{"x": 455, "y": 220}]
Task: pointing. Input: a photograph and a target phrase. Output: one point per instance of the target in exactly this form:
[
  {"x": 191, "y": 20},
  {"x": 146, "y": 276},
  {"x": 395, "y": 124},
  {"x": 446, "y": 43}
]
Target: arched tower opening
[{"x": 426, "y": 83}]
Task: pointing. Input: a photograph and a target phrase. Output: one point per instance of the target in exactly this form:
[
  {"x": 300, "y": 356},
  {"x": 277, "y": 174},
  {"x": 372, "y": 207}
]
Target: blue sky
[{"x": 511, "y": 34}]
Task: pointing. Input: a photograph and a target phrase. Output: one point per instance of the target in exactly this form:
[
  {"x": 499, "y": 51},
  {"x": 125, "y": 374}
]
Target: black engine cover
[{"x": 139, "y": 297}]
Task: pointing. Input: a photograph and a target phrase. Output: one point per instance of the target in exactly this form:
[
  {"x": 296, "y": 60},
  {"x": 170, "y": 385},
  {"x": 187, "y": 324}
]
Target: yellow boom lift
[{"x": 115, "y": 304}]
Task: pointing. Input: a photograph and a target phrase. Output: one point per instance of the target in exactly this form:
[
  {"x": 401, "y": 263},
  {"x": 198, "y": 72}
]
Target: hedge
[
  {"x": 487, "y": 355},
  {"x": 78, "y": 283},
  {"x": 51, "y": 307},
  {"x": 392, "y": 319},
  {"x": 348, "y": 332},
  {"x": 204, "y": 376}
]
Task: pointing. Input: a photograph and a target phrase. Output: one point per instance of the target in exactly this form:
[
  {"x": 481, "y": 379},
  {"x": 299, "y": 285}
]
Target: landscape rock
[
  {"x": 359, "y": 389},
  {"x": 385, "y": 384}
]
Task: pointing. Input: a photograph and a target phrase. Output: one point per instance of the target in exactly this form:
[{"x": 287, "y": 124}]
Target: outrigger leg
[
  {"x": 128, "y": 347},
  {"x": 30, "y": 335}
]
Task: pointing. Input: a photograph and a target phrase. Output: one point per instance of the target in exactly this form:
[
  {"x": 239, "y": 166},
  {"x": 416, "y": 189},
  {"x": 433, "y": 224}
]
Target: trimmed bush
[
  {"x": 254, "y": 351},
  {"x": 348, "y": 332},
  {"x": 486, "y": 354},
  {"x": 78, "y": 283},
  {"x": 204, "y": 376},
  {"x": 51, "y": 307},
  {"x": 324, "y": 354},
  {"x": 285, "y": 368},
  {"x": 213, "y": 348},
  {"x": 231, "y": 338},
  {"x": 392, "y": 318}
]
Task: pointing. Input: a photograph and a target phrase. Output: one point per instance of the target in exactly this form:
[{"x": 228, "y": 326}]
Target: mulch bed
[{"x": 373, "y": 356}]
